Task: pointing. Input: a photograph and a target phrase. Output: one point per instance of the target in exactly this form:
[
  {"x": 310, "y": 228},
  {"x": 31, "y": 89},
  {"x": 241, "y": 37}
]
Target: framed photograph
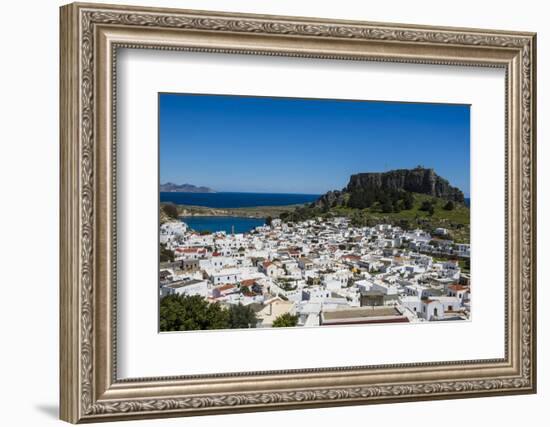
[{"x": 265, "y": 213}]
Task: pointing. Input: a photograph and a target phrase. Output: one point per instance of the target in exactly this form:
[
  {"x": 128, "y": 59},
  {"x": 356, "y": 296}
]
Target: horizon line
[
  {"x": 246, "y": 192},
  {"x": 466, "y": 195}
]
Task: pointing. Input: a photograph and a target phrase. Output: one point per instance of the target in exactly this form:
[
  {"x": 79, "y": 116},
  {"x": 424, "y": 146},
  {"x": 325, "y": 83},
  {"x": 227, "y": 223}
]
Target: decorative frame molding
[{"x": 90, "y": 36}]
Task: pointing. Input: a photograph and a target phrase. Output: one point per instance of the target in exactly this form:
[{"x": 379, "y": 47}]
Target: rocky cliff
[{"x": 418, "y": 180}]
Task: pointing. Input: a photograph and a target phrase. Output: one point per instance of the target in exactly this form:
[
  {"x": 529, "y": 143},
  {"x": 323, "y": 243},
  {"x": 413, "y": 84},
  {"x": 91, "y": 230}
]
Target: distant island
[{"x": 170, "y": 187}]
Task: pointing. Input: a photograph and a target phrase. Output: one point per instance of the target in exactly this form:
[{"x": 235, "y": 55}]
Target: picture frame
[{"x": 91, "y": 35}]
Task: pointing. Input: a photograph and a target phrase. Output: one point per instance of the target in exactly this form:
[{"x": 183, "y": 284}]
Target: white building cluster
[{"x": 325, "y": 271}]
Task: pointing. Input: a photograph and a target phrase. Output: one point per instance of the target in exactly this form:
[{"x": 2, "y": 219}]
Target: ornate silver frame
[{"x": 90, "y": 36}]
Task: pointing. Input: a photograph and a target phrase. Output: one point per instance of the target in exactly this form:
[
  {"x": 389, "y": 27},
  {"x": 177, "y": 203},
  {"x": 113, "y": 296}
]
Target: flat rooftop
[
  {"x": 183, "y": 283},
  {"x": 362, "y": 312}
]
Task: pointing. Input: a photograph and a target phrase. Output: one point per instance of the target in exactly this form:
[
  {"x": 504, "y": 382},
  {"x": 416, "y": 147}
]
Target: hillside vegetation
[{"x": 455, "y": 219}]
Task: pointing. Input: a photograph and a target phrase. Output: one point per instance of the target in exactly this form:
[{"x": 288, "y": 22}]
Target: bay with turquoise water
[
  {"x": 229, "y": 201},
  {"x": 228, "y": 224}
]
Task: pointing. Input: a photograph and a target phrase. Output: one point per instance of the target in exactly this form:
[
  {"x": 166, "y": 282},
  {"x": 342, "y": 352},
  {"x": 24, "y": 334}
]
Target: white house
[
  {"x": 413, "y": 303},
  {"x": 229, "y": 275},
  {"x": 222, "y": 261},
  {"x": 432, "y": 309},
  {"x": 419, "y": 291},
  {"x": 190, "y": 253},
  {"x": 271, "y": 270},
  {"x": 171, "y": 231},
  {"x": 363, "y": 285},
  {"x": 385, "y": 288},
  {"x": 186, "y": 287},
  {"x": 332, "y": 284},
  {"x": 418, "y": 236},
  {"x": 440, "y": 231},
  {"x": 458, "y": 291},
  {"x": 315, "y": 294},
  {"x": 276, "y": 222},
  {"x": 305, "y": 263},
  {"x": 224, "y": 290},
  {"x": 463, "y": 250},
  {"x": 450, "y": 303}
]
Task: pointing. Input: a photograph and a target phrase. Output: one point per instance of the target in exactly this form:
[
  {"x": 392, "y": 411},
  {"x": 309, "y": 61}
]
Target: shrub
[
  {"x": 449, "y": 206},
  {"x": 186, "y": 313},
  {"x": 241, "y": 316},
  {"x": 170, "y": 210},
  {"x": 166, "y": 255},
  {"x": 285, "y": 320},
  {"x": 428, "y": 206}
]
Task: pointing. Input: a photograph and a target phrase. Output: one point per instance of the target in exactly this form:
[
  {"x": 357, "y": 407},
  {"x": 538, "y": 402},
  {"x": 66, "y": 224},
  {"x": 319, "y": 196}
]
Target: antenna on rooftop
[{"x": 232, "y": 228}]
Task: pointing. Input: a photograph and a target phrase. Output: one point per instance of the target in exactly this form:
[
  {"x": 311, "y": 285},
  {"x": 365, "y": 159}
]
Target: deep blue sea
[
  {"x": 237, "y": 200},
  {"x": 222, "y": 223}
]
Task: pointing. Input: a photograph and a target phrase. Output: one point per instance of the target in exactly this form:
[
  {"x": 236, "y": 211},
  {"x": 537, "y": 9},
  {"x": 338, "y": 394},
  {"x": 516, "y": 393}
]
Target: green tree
[
  {"x": 426, "y": 206},
  {"x": 398, "y": 205},
  {"x": 404, "y": 224},
  {"x": 268, "y": 220},
  {"x": 387, "y": 206},
  {"x": 171, "y": 210},
  {"x": 361, "y": 199},
  {"x": 190, "y": 313},
  {"x": 165, "y": 254},
  {"x": 408, "y": 201},
  {"x": 285, "y": 320},
  {"x": 358, "y": 219},
  {"x": 449, "y": 206},
  {"x": 242, "y": 316}
]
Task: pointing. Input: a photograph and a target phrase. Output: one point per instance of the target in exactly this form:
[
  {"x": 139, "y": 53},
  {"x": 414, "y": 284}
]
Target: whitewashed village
[{"x": 322, "y": 271}]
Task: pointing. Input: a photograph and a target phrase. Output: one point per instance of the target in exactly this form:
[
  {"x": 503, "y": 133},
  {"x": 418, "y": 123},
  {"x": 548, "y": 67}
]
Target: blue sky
[{"x": 293, "y": 145}]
